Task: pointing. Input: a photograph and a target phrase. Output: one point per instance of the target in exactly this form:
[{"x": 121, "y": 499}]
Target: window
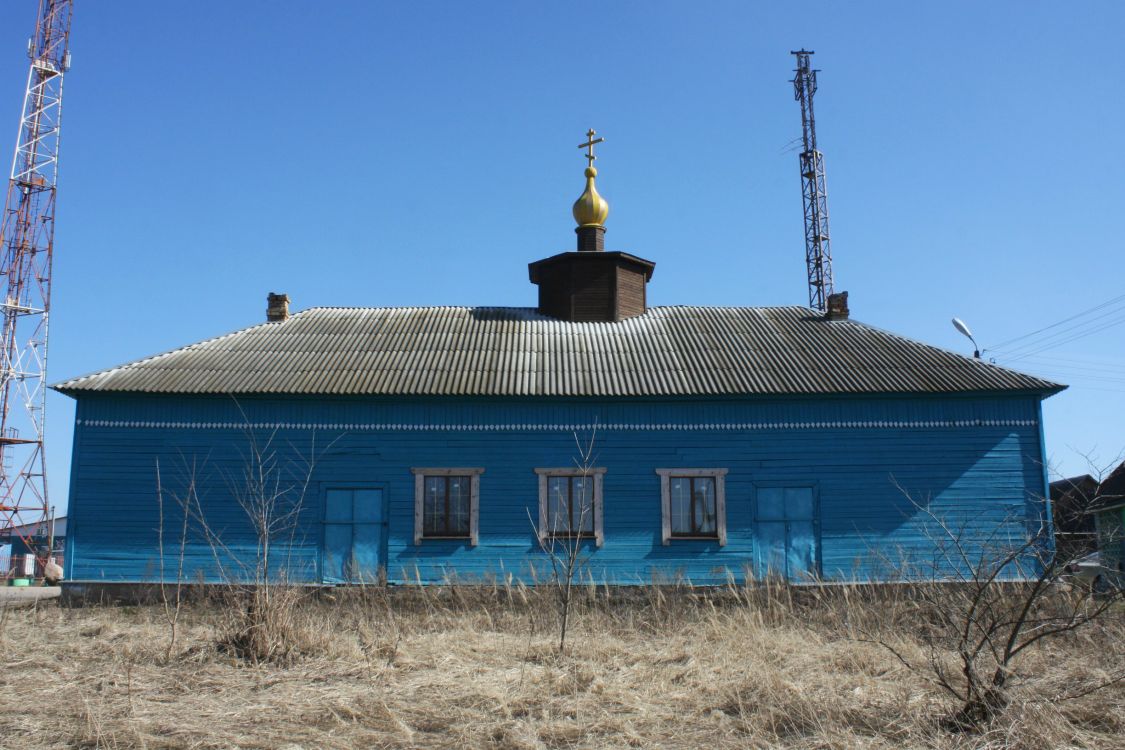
[
  {"x": 693, "y": 504},
  {"x": 570, "y": 504},
  {"x": 446, "y": 504}
]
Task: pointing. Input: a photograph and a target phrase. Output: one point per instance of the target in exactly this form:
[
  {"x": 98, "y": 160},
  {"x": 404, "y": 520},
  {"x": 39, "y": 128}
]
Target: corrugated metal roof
[{"x": 504, "y": 351}]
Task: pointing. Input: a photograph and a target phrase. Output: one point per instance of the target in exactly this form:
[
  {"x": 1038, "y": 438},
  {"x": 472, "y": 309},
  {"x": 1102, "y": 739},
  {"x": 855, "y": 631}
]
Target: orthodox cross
[{"x": 589, "y": 146}]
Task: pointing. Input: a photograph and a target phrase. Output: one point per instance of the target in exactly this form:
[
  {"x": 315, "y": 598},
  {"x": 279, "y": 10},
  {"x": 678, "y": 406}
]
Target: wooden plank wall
[{"x": 975, "y": 462}]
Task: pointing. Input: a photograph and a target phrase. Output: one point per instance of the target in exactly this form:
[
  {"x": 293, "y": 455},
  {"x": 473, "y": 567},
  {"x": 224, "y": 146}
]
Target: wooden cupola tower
[{"x": 591, "y": 284}]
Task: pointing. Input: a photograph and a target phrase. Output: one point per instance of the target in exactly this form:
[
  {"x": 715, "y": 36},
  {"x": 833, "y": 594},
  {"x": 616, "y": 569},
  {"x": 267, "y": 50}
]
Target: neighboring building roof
[
  {"x": 1111, "y": 492},
  {"x": 1071, "y": 499},
  {"x": 504, "y": 351},
  {"x": 40, "y": 528},
  {"x": 1082, "y": 483}
]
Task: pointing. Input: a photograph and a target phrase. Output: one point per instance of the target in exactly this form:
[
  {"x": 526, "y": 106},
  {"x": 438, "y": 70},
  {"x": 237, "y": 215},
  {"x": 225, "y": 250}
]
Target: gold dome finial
[{"x": 590, "y": 210}]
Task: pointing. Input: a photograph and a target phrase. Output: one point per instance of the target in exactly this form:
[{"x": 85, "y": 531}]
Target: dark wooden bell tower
[{"x": 590, "y": 284}]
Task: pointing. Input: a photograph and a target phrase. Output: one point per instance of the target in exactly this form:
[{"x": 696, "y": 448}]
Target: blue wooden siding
[{"x": 975, "y": 462}]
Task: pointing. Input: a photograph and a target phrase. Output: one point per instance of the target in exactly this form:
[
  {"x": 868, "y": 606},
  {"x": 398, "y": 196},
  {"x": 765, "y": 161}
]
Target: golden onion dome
[{"x": 590, "y": 210}]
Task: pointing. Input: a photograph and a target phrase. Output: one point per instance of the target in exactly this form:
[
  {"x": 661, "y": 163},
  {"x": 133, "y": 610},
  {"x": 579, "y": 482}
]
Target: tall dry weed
[{"x": 461, "y": 666}]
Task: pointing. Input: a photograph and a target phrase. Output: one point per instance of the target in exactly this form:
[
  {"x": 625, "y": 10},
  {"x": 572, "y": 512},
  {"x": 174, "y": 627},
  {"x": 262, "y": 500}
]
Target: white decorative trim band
[{"x": 541, "y": 427}]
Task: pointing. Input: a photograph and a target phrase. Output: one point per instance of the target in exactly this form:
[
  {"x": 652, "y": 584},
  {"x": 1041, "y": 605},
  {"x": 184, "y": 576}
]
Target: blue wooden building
[{"x": 423, "y": 444}]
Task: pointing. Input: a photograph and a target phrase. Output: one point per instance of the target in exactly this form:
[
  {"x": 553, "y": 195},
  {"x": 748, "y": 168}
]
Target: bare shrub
[
  {"x": 980, "y": 606},
  {"x": 268, "y": 623},
  {"x": 260, "y": 614},
  {"x": 565, "y": 548},
  {"x": 171, "y": 598},
  {"x": 262, "y": 620}
]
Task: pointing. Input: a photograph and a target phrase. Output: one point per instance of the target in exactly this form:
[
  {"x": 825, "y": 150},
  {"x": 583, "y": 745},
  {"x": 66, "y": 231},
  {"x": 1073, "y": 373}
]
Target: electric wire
[
  {"x": 1114, "y": 363},
  {"x": 1065, "y": 334},
  {"x": 1060, "y": 342},
  {"x": 1077, "y": 368},
  {"x": 1095, "y": 308}
]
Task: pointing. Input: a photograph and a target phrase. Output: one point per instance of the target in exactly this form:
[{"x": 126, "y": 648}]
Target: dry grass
[{"x": 479, "y": 668}]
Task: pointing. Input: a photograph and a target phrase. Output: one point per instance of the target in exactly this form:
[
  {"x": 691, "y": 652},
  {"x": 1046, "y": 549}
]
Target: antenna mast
[
  {"x": 818, "y": 249},
  {"x": 27, "y": 235}
]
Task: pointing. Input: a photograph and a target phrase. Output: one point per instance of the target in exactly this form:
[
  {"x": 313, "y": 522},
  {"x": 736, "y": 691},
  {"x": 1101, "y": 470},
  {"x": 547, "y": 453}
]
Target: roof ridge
[{"x": 530, "y": 307}]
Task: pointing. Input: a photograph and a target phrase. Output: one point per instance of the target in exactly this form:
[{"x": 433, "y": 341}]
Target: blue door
[
  {"x": 786, "y": 534},
  {"x": 354, "y": 536}
]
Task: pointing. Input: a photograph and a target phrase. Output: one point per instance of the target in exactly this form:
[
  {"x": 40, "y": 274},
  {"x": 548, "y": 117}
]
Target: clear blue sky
[{"x": 362, "y": 153}]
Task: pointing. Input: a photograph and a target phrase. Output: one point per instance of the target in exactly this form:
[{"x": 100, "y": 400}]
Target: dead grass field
[{"x": 469, "y": 668}]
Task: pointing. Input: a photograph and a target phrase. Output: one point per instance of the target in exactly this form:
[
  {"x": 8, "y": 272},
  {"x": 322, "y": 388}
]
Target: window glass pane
[
  {"x": 433, "y": 506},
  {"x": 588, "y": 499},
  {"x": 338, "y": 505},
  {"x": 584, "y": 496},
  {"x": 706, "y": 518},
  {"x": 771, "y": 503},
  {"x": 558, "y": 511},
  {"x": 459, "y": 498},
  {"x": 574, "y": 510},
  {"x": 799, "y": 503},
  {"x": 680, "y": 491}
]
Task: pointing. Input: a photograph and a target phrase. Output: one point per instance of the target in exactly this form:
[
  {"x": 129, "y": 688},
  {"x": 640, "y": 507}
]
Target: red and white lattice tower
[{"x": 27, "y": 235}]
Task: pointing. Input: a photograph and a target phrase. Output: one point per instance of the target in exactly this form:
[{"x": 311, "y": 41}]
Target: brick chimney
[
  {"x": 277, "y": 307},
  {"x": 837, "y": 306}
]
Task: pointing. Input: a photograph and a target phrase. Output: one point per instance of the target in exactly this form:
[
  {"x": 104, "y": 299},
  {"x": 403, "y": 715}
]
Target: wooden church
[{"x": 427, "y": 444}]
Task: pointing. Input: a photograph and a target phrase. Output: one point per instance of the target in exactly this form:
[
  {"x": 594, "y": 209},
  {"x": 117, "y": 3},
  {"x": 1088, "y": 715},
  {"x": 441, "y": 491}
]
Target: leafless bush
[
  {"x": 565, "y": 548},
  {"x": 261, "y": 618},
  {"x": 172, "y": 600},
  {"x": 268, "y": 624},
  {"x": 980, "y": 605}
]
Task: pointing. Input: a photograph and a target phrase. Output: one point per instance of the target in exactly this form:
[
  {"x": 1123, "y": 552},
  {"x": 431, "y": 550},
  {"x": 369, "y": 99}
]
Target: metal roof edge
[
  {"x": 1049, "y": 391},
  {"x": 639, "y": 398},
  {"x": 61, "y": 386}
]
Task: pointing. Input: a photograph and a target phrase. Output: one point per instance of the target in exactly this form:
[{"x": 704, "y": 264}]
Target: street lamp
[{"x": 964, "y": 329}]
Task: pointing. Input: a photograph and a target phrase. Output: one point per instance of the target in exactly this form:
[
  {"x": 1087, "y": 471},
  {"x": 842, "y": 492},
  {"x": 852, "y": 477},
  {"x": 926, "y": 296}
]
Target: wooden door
[{"x": 354, "y": 535}]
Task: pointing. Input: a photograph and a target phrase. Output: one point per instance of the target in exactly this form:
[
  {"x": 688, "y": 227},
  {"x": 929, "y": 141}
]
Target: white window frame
[
  {"x": 545, "y": 474},
  {"x": 719, "y": 475},
  {"x": 420, "y": 475}
]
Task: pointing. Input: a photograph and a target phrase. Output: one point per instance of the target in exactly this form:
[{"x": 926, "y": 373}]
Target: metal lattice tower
[
  {"x": 818, "y": 248},
  {"x": 27, "y": 235}
]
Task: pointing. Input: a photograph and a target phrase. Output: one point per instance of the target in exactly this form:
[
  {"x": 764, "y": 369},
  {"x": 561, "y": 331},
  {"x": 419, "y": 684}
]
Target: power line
[
  {"x": 1062, "y": 332},
  {"x": 1053, "y": 342},
  {"x": 1116, "y": 363},
  {"x": 1095, "y": 308},
  {"x": 1082, "y": 381},
  {"x": 1060, "y": 363}
]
